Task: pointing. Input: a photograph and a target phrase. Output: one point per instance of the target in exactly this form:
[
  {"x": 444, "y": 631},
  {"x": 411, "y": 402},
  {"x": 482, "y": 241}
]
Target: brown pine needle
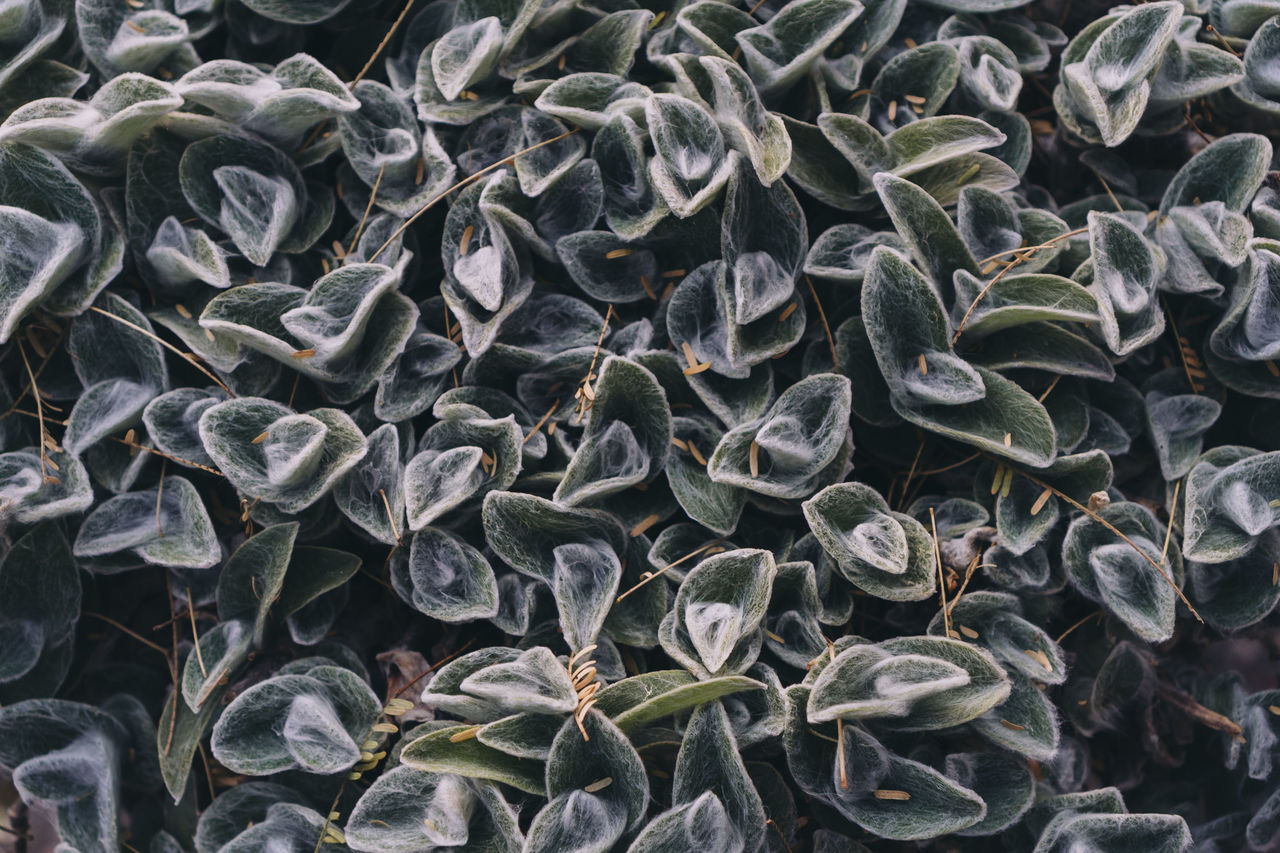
[
  {"x": 645, "y": 524},
  {"x": 382, "y": 44},
  {"x": 1009, "y": 725},
  {"x": 1159, "y": 568},
  {"x": 1041, "y": 501},
  {"x": 822, "y": 315},
  {"x": 195, "y": 634},
  {"x": 696, "y": 454},
  {"x": 368, "y": 207},
  {"x": 613, "y": 254},
  {"x": 391, "y": 519},
  {"x": 259, "y": 438},
  {"x": 542, "y": 420},
  {"x": 889, "y": 794},
  {"x": 467, "y": 181},
  {"x": 788, "y": 311},
  {"x": 35, "y": 392},
  {"x": 942, "y": 581},
  {"x": 465, "y": 243},
  {"x": 648, "y": 576},
  {"x": 192, "y": 358},
  {"x": 1168, "y": 531},
  {"x": 844, "y": 778},
  {"x": 134, "y": 634}
]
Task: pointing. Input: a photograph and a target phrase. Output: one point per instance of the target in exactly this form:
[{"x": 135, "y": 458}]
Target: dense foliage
[{"x": 646, "y": 426}]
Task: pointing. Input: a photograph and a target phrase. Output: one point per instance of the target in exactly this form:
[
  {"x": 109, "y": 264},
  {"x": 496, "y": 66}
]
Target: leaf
[
  {"x": 407, "y": 809},
  {"x": 708, "y": 761},
  {"x": 251, "y": 580},
  {"x": 779, "y": 52},
  {"x": 1228, "y": 503},
  {"x": 690, "y": 166},
  {"x": 222, "y": 649},
  {"x": 165, "y": 526},
  {"x": 714, "y": 627},
  {"x": 799, "y": 441},
  {"x": 910, "y": 683},
  {"x": 300, "y": 459},
  {"x": 445, "y": 578},
  {"x": 1114, "y": 573},
  {"x": 888, "y": 554},
  {"x": 635, "y": 702},
  {"x": 626, "y": 438},
  {"x": 437, "y": 753},
  {"x": 326, "y": 713},
  {"x": 535, "y": 681}
]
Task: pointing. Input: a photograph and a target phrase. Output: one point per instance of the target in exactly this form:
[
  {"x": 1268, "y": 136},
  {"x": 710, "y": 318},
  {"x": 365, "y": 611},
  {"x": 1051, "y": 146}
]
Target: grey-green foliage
[{"x": 789, "y": 376}]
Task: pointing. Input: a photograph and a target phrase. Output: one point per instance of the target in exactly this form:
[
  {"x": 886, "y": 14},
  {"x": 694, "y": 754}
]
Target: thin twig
[
  {"x": 141, "y": 639},
  {"x": 381, "y": 45},
  {"x": 190, "y": 357},
  {"x": 942, "y": 580},
  {"x": 35, "y": 392},
  {"x": 1064, "y": 634},
  {"x": 651, "y": 575},
  {"x": 826, "y": 327},
  {"x": 195, "y": 635},
  {"x": 467, "y": 181},
  {"x": 373, "y": 194},
  {"x": 1159, "y": 568}
]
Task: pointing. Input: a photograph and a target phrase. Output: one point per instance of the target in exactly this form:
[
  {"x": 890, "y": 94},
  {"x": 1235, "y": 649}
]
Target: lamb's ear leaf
[
  {"x": 246, "y": 805},
  {"x": 1115, "y": 574},
  {"x": 117, "y": 39},
  {"x": 1111, "y": 833},
  {"x": 117, "y": 366},
  {"x": 842, "y": 251},
  {"x": 584, "y": 579},
  {"x": 524, "y": 531},
  {"x": 249, "y": 189},
  {"x": 715, "y": 506},
  {"x": 801, "y": 442},
  {"x": 445, "y": 578},
  {"x": 709, "y": 761},
  {"x": 935, "y": 140},
  {"x": 576, "y": 763},
  {"x": 437, "y": 752},
  {"x": 887, "y": 554},
  {"x": 910, "y": 684},
  {"x": 781, "y": 51},
  {"x": 172, "y": 422},
  {"x": 763, "y": 239},
  {"x": 607, "y": 268},
  {"x": 690, "y": 165},
  {"x": 1025, "y": 723},
  {"x": 700, "y": 822},
  {"x": 936, "y": 805},
  {"x": 524, "y": 735},
  {"x": 1230, "y": 170},
  {"x": 590, "y": 99},
  {"x": 221, "y": 651},
  {"x": 408, "y": 809},
  {"x": 1230, "y": 491},
  {"x": 535, "y": 681},
  {"x": 360, "y": 492},
  {"x": 466, "y": 54},
  {"x": 1018, "y": 644},
  {"x": 989, "y": 73},
  {"x": 714, "y": 626},
  {"x": 627, "y": 436},
  {"x": 1237, "y": 593},
  {"x": 1126, "y": 270},
  {"x": 929, "y": 71},
  {"x": 313, "y": 572},
  {"x": 167, "y": 525},
  {"x": 326, "y": 712},
  {"x": 253, "y": 576},
  {"x": 188, "y": 727},
  {"x": 1176, "y": 424},
  {"x": 1004, "y": 783},
  {"x": 822, "y": 171},
  {"x": 742, "y": 117},
  {"x": 298, "y": 460},
  {"x": 635, "y": 702},
  {"x": 926, "y": 229},
  {"x": 1018, "y": 299},
  {"x": 632, "y": 204}
]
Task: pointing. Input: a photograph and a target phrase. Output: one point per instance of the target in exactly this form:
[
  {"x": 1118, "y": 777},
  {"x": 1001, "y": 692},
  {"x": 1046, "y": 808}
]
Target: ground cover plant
[{"x": 635, "y": 425}]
